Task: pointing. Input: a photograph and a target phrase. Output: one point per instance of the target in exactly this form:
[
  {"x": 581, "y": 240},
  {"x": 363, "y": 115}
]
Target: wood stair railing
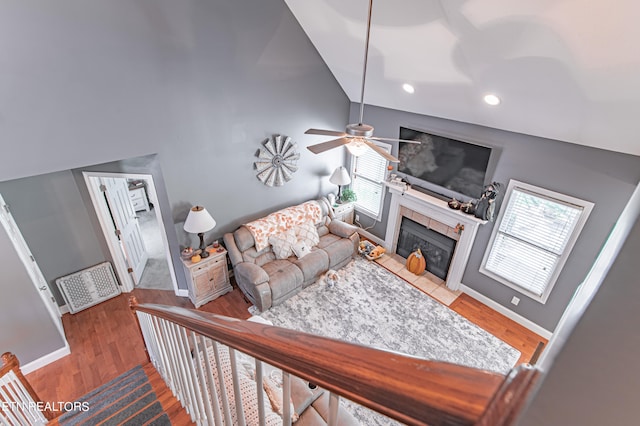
[
  {"x": 19, "y": 403},
  {"x": 411, "y": 390}
]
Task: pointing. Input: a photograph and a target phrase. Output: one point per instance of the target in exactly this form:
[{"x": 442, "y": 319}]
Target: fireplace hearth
[
  {"x": 450, "y": 250},
  {"x": 437, "y": 248}
]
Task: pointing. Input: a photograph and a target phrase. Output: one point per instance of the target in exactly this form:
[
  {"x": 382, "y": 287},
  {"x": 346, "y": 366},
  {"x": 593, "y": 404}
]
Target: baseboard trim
[
  {"x": 47, "y": 359},
  {"x": 182, "y": 292},
  {"x": 543, "y": 332},
  {"x": 64, "y": 309},
  {"x": 369, "y": 236}
]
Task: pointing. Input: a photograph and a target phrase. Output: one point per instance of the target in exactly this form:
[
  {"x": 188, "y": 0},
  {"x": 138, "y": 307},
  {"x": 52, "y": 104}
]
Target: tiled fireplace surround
[{"x": 436, "y": 215}]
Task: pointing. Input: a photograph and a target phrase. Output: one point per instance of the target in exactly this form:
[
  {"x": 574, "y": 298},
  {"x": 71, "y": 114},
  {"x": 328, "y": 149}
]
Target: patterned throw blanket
[{"x": 280, "y": 221}]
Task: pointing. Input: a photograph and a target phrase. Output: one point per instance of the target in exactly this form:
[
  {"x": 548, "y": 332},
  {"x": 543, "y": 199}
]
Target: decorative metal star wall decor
[{"x": 277, "y": 160}]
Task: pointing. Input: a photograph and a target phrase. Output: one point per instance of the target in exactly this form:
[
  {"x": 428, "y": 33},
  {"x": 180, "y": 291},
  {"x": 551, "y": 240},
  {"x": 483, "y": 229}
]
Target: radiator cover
[{"x": 88, "y": 287}]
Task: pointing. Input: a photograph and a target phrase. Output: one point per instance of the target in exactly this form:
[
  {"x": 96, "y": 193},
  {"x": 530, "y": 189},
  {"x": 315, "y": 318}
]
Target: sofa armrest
[
  {"x": 250, "y": 273},
  {"x": 342, "y": 229},
  {"x": 254, "y": 283},
  {"x": 234, "y": 253}
]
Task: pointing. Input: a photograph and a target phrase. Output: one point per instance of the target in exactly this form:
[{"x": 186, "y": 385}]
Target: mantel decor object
[{"x": 277, "y": 160}]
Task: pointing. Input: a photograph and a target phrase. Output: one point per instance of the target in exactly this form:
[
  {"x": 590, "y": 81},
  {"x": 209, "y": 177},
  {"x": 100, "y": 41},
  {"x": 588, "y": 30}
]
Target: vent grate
[{"x": 88, "y": 287}]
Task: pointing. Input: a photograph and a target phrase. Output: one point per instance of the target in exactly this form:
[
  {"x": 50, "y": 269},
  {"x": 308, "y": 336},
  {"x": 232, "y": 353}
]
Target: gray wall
[
  {"x": 27, "y": 328},
  {"x": 50, "y": 212},
  {"x": 200, "y": 84},
  {"x": 602, "y": 177},
  {"x": 594, "y": 379}
]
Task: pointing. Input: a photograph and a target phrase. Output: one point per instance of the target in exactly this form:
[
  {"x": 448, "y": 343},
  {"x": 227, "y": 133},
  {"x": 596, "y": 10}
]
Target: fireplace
[
  {"x": 437, "y": 248},
  {"x": 456, "y": 231}
]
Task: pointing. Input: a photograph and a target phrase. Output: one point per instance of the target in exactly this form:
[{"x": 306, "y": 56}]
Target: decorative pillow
[
  {"x": 282, "y": 244},
  {"x": 309, "y": 233},
  {"x": 300, "y": 249}
]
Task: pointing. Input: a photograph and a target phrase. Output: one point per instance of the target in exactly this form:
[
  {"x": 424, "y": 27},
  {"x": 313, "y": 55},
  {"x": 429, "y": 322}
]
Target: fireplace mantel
[{"x": 438, "y": 210}]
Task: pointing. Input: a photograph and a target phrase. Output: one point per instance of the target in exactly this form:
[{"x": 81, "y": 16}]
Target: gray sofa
[{"x": 267, "y": 281}]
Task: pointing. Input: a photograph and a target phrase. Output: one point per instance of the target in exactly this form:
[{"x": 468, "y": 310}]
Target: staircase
[
  {"x": 138, "y": 397},
  {"x": 186, "y": 347}
]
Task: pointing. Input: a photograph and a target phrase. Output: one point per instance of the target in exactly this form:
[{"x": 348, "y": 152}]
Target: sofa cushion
[
  {"x": 313, "y": 265},
  {"x": 285, "y": 279},
  {"x": 338, "y": 250},
  {"x": 243, "y": 238},
  {"x": 327, "y": 240},
  {"x": 258, "y": 258},
  {"x": 323, "y": 227}
]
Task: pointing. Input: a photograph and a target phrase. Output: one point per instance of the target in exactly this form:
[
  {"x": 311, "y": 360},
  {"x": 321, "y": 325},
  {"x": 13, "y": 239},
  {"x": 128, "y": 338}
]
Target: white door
[
  {"x": 30, "y": 264},
  {"x": 127, "y": 227}
]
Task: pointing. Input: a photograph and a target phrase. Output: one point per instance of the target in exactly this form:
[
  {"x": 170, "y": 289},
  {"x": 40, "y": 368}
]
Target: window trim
[
  {"x": 387, "y": 147},
  {"x": 586, "y": 206}
]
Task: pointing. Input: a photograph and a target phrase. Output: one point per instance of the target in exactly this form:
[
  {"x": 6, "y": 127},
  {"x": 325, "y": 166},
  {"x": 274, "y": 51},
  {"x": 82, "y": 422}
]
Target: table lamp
[
  {"x": 198, "y": 222},
  {"x": 340, "y": 177}
]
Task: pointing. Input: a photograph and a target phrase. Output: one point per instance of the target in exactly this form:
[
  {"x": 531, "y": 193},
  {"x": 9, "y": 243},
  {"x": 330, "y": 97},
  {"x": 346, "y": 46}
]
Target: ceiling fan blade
[
  {"x": 325, "y": 146},
  {"x": 325, "y": 132},
  {"x": 381, "y": 151},
  {"x": 392, "y": 139}
]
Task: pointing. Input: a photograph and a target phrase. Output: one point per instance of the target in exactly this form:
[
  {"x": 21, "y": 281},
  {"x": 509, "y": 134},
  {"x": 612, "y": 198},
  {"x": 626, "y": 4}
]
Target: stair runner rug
[
  {"x": 372, "y": 306},
  {"x": 126, "y": 400}
]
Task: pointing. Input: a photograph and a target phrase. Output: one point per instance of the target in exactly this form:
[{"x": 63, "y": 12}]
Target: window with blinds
[
  {"x": 368, "y": 171},
  {"x": 533, "y": 237}
]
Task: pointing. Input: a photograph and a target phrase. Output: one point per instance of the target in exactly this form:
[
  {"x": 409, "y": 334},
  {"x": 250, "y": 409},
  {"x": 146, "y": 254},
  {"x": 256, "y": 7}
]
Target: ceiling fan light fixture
[
  {"x": 360, "y": 130},
  {"x": 491, "y": 99},
  {"x": 358, "y": 138},
  {"x": 357, "y": 147},
  {"x": 408, "y": 88}
]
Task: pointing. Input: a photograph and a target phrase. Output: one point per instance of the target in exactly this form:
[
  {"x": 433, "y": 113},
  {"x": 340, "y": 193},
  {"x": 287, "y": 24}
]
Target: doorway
[
  {"x": 131, "y": 221},
  {"x": 8, "y": 224}
]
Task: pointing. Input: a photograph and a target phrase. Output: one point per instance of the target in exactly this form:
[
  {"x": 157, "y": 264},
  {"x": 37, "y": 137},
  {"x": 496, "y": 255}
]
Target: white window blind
[
  {"x": 369, "y": 171},
  {"x": 535, "y": 233}
]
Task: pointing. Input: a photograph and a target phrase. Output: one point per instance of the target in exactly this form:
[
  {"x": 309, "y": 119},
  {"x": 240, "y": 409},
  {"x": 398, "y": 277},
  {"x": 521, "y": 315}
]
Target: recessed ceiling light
[
  {"x": 492, "y": 99},
  {"x": 408, "y": 88}
]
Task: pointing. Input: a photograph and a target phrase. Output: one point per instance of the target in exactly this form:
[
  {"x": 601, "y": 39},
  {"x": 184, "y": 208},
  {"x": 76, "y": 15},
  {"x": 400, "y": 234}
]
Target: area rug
[
  {"x": 126, "y": 400},
  {"x": 371, "y": 306}
]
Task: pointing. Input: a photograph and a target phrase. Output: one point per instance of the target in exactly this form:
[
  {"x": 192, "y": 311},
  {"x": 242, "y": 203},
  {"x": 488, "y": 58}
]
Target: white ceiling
[{"x": 567, "y": 70}]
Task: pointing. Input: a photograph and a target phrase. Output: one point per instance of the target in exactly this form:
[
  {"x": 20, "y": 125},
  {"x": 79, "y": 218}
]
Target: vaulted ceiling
[{"x": 563, "y": 69}]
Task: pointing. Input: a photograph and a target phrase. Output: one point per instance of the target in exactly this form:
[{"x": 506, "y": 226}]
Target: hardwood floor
[
  {"x": 105, "y": 342},
  {"x": 509, "y": 331}
]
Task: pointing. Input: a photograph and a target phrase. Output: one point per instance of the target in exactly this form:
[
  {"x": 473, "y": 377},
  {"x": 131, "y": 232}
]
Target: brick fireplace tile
[
  {"x": 439, "y": 227},
  {"x": 423, "y": 220}
]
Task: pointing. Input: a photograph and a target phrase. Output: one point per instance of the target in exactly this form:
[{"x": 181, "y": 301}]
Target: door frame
[
  {"x": 109, "y": 230},
  {"x": 33, "y": 270}
]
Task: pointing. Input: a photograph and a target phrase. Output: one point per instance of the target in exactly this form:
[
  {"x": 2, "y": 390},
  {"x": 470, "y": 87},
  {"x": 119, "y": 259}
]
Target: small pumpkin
[{"x": 416, "y": 262}]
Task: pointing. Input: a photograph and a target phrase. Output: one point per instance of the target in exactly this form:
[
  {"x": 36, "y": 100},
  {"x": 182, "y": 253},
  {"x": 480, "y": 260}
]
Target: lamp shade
[
  {"x": 199, "y": 220},
  {"x": 340, "y": 176}
]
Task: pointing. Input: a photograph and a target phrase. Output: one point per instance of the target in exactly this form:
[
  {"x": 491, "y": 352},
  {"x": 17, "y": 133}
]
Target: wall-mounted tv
[{"x": 449, "y": 167}]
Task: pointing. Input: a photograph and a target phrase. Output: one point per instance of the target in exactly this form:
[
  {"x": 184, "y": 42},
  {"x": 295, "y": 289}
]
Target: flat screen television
[{"x": 448, "y": 167}]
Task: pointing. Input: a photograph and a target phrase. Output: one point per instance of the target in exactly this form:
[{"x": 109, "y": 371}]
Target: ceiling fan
[{"x": 357, "y": 137}]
